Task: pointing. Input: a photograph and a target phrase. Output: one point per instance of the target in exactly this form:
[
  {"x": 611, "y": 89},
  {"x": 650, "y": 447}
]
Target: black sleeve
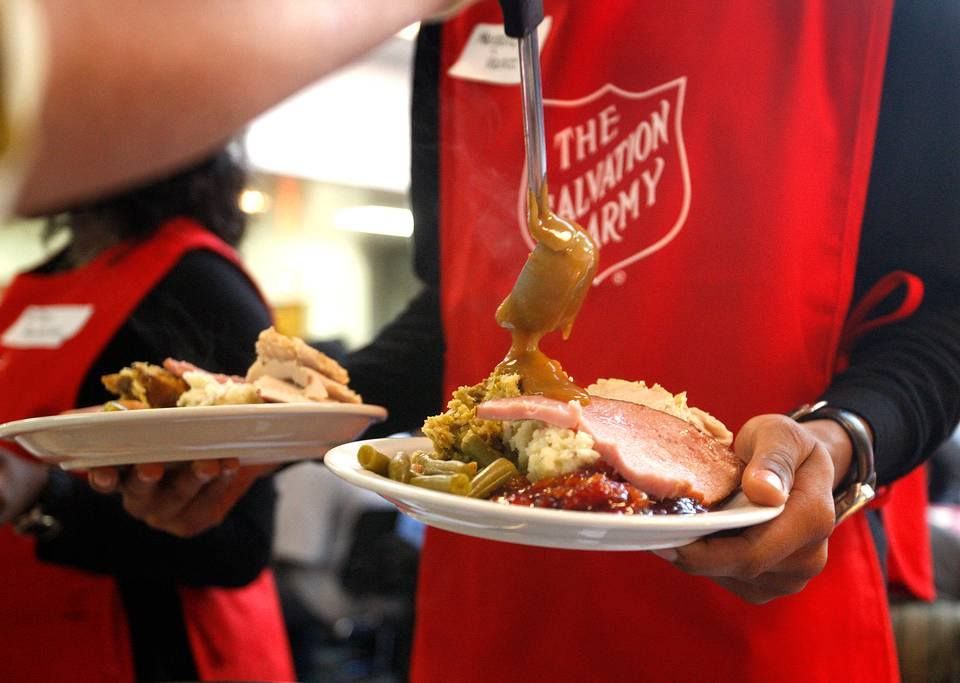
[
  {"x": 905, "y": 378},
  {"x": 207, "y": 312},
  {"x": 402, "y": 369}
]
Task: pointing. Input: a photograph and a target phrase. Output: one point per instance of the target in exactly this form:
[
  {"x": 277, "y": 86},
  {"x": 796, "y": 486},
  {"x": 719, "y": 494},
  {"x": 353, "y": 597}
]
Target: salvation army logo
[{"x": 617, "y": 166}]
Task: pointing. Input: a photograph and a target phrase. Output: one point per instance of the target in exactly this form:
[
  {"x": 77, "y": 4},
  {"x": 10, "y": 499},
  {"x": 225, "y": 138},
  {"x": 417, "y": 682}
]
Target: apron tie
[{"x": 859, "y": 323}]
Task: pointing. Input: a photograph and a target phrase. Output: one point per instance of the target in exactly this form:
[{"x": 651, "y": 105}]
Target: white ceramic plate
[
  {"x": 256, "y": 434},
  {"x": 537, "y": 526}
]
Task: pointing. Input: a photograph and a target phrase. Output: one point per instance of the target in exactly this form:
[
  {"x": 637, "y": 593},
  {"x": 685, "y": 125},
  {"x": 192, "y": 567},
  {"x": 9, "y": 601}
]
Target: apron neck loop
[{"x": 860, "y": 323}]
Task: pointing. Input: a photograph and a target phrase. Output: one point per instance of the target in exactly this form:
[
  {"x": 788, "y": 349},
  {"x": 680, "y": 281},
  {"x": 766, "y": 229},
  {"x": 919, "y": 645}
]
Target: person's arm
[
  {"x": 207, "y": 312},
  {"x": 138, "y": 88},
  {"x": 402, "y": 369},
  {"x": 903, "y": 379}
]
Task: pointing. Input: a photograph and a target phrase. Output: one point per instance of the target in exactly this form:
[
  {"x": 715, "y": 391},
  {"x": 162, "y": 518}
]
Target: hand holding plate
[
  {"x": 185, "y": 499},
  {"x": 786, "y": 461}
]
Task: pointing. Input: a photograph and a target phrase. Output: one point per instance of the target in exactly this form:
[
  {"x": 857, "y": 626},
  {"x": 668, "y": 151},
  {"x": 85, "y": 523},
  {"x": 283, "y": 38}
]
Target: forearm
[
  {"x": 905, "y": 381},
  {"x": 137, "y": 88}
]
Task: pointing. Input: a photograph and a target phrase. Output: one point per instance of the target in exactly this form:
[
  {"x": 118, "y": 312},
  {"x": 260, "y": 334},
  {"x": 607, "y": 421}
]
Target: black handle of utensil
[{"x": 521, "y": 17}]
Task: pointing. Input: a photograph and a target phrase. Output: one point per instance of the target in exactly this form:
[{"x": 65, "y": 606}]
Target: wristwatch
[{"x": 859, "y": 486}]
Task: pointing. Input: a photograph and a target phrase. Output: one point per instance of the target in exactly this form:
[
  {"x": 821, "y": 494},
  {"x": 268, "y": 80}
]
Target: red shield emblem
[{"x": 617, "y": 166}]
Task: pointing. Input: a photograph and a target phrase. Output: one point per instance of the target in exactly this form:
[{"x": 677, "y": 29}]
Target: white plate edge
[
  {"x": 14, "y": 428},
  {"x": 342, "y": 462}
]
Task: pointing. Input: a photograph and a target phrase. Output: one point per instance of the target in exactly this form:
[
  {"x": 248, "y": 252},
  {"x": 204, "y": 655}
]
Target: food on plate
[
  {"x": 287, "y": 370},
  {"x": 644, "y": 452},
  {"x": 151, "y": 385},
  {"x": 540, "y": 440},
  {"x": 660, "y": 454},
  {"x": 212, "y": 389}
]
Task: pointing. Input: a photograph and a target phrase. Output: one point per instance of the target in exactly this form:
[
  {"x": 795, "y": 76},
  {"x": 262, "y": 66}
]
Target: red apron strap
[{"x": 859, "y": 321}]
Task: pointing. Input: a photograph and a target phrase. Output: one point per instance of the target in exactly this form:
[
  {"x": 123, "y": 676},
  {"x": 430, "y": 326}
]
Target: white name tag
[
  {"x": 46, "y": 327},
  {"x": 490, "y": 56}
]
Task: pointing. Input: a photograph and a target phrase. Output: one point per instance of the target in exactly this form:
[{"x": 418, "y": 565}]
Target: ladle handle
[{"x": 521, "y": 17}]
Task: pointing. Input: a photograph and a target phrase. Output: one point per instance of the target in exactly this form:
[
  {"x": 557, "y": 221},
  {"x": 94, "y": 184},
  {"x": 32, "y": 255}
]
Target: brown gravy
[{"x": 547, "y": 296}]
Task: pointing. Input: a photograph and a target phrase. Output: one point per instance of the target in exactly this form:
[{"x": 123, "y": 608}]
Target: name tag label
[
  {"x": 46, "y": 327},
  {"x": 490, "y": 56}
]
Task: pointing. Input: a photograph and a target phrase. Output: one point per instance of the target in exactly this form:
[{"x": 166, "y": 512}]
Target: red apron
[
  {"x": 719, "y": 152},
  {"x": 62, "y": 624}
]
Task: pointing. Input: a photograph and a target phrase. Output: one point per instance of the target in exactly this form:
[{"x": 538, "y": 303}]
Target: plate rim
[
  {"x": 15, "y": 428},
  {"x": 338, "y": 460}
]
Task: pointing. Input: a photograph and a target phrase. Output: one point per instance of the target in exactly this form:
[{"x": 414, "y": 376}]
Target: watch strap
[{"x": 859, "y": 485}]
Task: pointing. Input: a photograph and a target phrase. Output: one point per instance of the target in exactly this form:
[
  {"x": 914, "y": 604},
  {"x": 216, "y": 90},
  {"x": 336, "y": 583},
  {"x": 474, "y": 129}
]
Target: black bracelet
[{"x": 858, "y": 486}]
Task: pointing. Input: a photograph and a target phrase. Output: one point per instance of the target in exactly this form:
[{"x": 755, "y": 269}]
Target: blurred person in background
[{"x": 87, "y": 592}]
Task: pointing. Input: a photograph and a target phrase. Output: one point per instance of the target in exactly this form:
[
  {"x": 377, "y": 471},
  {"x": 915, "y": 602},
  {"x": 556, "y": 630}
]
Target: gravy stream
[{"x": 547, "y": 296}]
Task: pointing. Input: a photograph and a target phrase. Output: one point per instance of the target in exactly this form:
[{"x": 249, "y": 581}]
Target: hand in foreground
[
  {"x": 183, "y": 499},
  {"x": 777, "y": 558},
  {"x": 21, "y": 482}
]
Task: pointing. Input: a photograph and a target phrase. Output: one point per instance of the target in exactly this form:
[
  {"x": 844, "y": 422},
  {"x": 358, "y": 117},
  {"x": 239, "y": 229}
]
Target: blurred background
[{"x": 329, "y": 242}]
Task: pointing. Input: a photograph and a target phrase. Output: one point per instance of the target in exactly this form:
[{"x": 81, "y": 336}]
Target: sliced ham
[
  {"x": 658, "y": 453},
  {"x": 661, "y": 454},
  {"x": 553, "y": 412}
]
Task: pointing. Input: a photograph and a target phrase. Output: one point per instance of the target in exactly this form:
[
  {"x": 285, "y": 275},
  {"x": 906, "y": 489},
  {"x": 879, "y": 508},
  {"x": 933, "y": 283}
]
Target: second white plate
[
  {"x": 538, "y": 526},
  {"x": 255, "y": 434}
]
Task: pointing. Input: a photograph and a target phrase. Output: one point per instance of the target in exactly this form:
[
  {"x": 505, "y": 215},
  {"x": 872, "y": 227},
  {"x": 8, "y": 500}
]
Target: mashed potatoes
[
  {"x": 205, "y": 390},
  {"x": 544, "y": 451}
]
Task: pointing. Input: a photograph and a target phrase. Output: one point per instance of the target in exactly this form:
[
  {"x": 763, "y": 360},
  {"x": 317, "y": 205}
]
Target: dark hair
[{"x": 208, "y": 192}]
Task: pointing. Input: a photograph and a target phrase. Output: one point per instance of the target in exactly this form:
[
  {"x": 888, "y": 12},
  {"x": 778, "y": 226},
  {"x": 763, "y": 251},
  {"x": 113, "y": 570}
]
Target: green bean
[
  {"x": 372, "y": 459},
  {"x": 457, "y": 484},
  {"x": 424, "y": 464},
  {"x": 492, "y": 477},
  {"x": 478, "y": 450},
  {"x": 399, "y": 468}
]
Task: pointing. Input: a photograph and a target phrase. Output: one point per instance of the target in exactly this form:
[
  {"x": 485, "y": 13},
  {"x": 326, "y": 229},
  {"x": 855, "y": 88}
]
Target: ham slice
[
  {"x": 553, "y": 412},
  {"x": 658, "y": 453}
]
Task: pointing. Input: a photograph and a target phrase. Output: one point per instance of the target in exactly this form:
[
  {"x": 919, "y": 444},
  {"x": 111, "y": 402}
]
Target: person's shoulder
[
  {"x": 206, "y": 266},
  {"x": 215, "y": 290},
  {"x": 205, "y": 278}
]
